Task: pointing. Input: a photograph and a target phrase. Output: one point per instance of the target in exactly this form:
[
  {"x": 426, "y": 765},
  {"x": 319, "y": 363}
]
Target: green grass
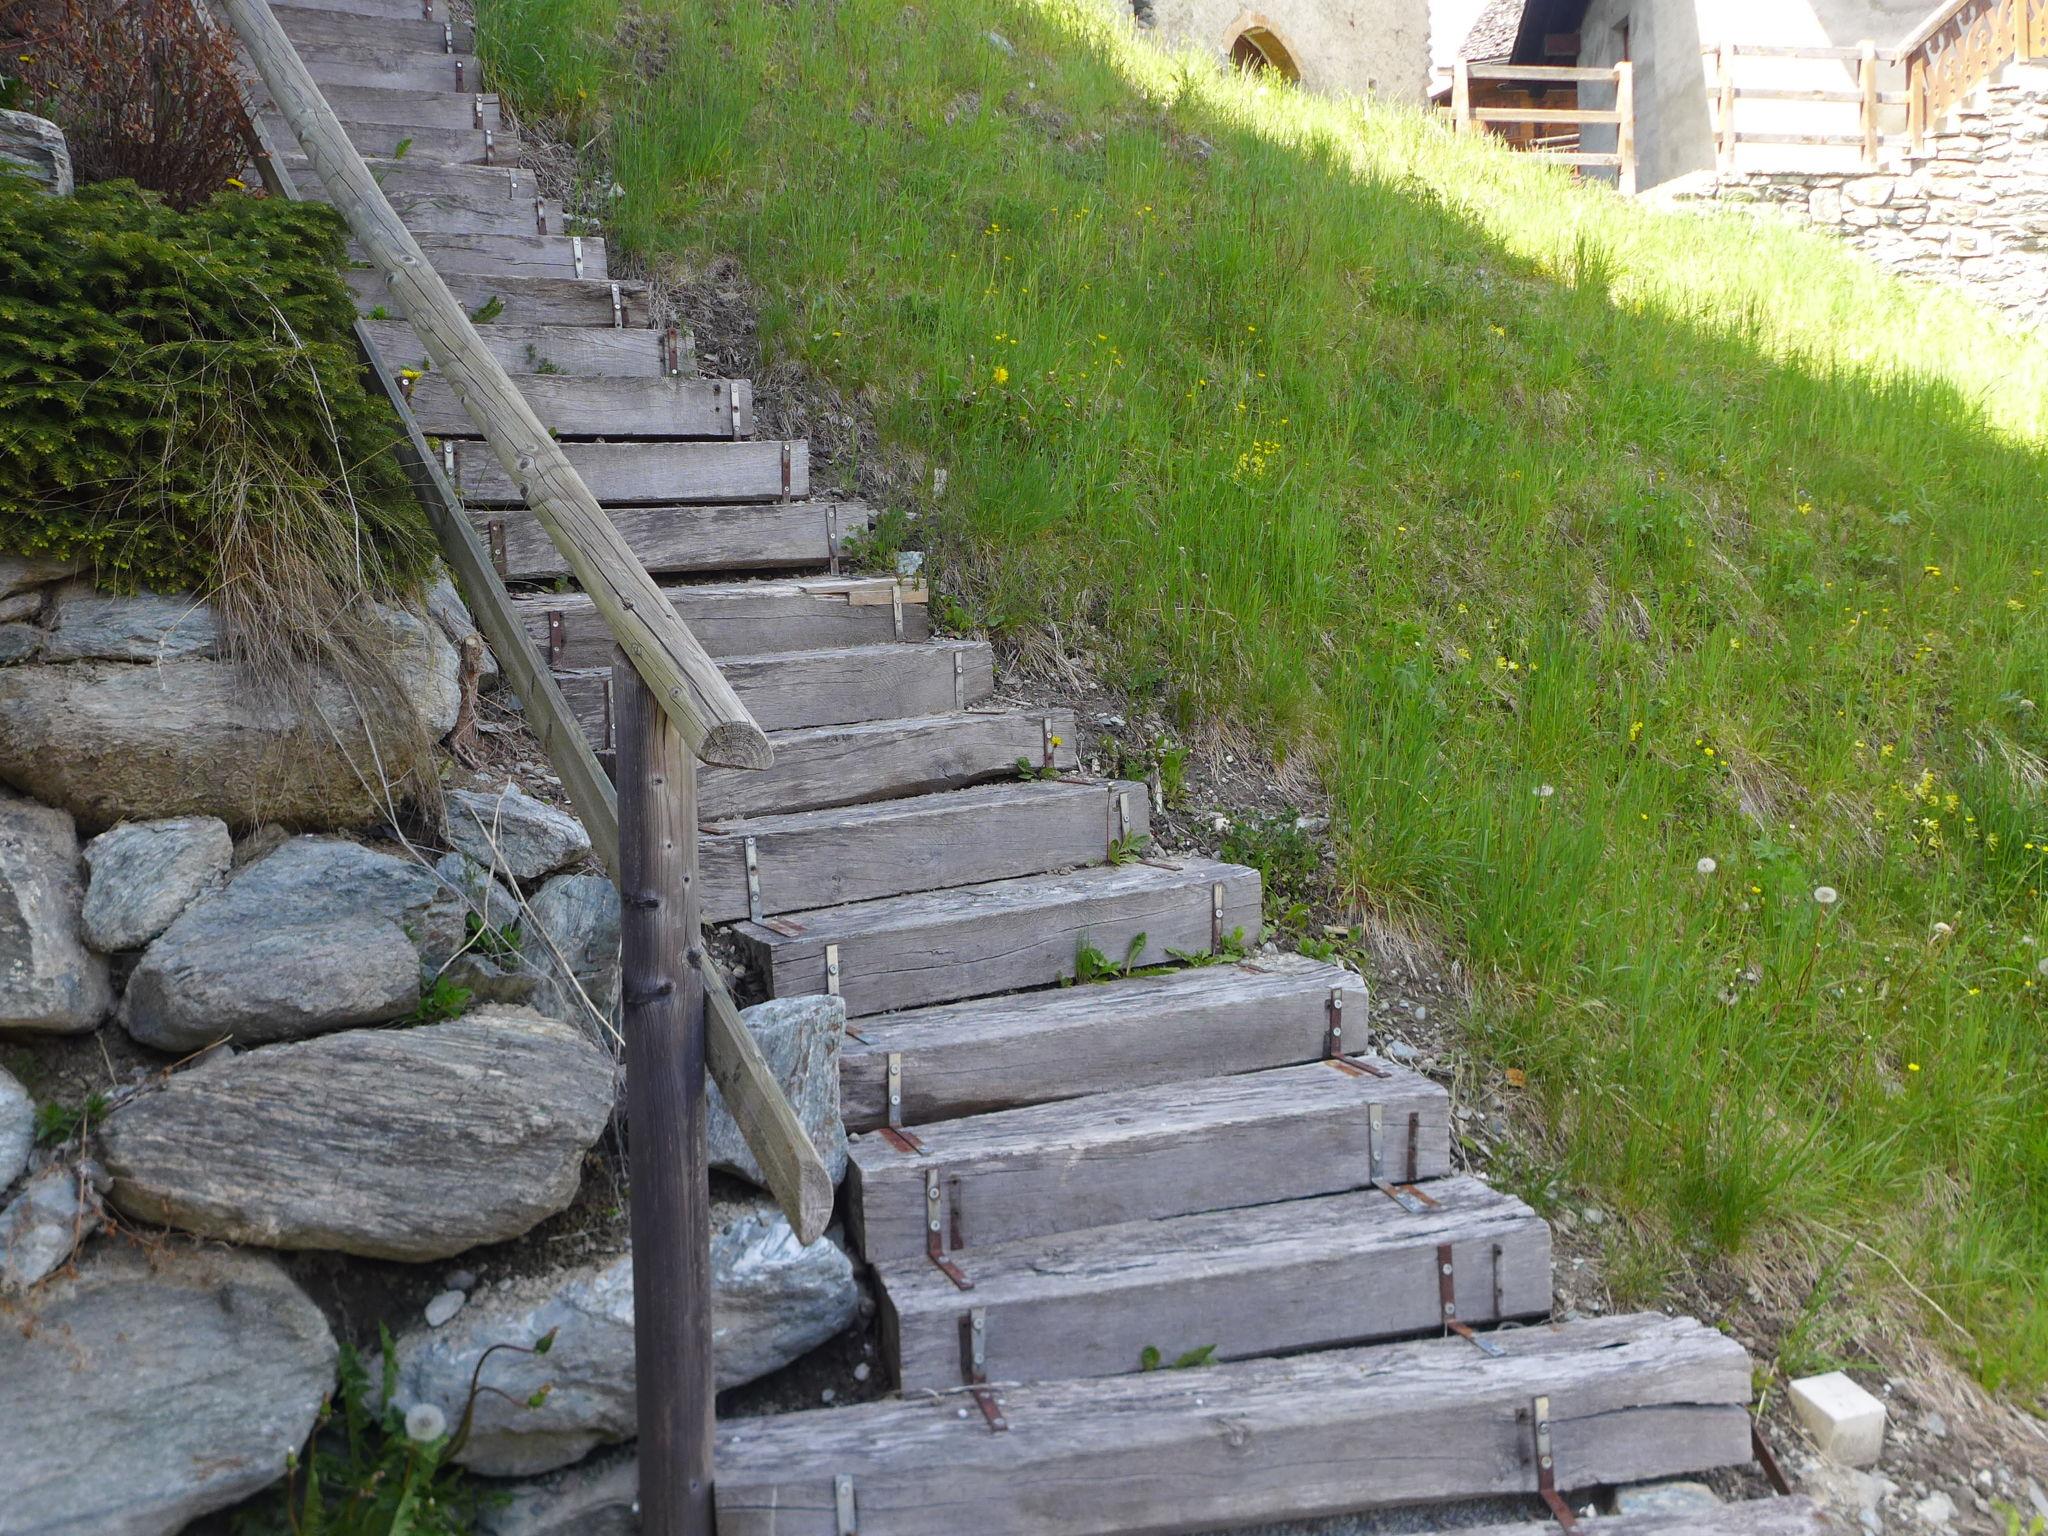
[{"x": 1573, "y": 542}]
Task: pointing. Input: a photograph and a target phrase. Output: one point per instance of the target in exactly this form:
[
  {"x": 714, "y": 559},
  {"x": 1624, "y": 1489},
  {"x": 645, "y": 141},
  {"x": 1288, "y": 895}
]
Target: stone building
[{"x": 1343, "y": 47}]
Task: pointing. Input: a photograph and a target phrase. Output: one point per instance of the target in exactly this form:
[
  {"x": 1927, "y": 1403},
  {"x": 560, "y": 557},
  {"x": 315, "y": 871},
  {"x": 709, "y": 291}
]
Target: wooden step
[
  {"x": 739, "y": 618},
  {"x": 520, "y": 255},
  {"x": 878, "y": 759},
  {"x": 457, "y": 199},
  {"x": 550, "y": 301},
  {"x": 612, "y": 408},
  {"x": 623, "y": 474},
  {"x": 1004, "y": 936},
  {"x": 1752, "y": 1517},
  {"x": 787, "y": 690},
  {"x": 408, "y": 109},
  {"x": 395, "y": 10},
  {"x": 762, "y": 535},
  {"x": 313, "y": 25},
  {"x": 577, "y": 351},
  {"x": 1303, "y": 1274},
  {"x": 422, "y": 145},
  {"x": 1036, "y": 1047},
  {"x": 931, "y": 842},
  {"x": 1142, "y": 1154},
  {"x": 397, "y": 69},
  {"x": 1343, "y": 1431}
]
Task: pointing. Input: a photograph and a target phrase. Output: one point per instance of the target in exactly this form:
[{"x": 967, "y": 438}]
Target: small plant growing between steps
[
  {"x": 1026, "y": 769},
  {"x": 487, "y": 311},
  {"x": 1150, "y": 1359},
  {"x": 1092, "y": 965},
  {"x": 1130, "y": 846}
]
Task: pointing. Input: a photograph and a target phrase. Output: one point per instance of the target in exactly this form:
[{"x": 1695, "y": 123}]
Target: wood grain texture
[
  {"x": 395, "y": 10},
  {"x": 851, "y": 764},
  {"x": 1004, "y": 936},
  {"x": 452, "y": 199},
  {"x": 1140, "y": 1154},
  {"x": 526, "y": 254},
  {"x": 671, "y": 540},
  {"x": 614, "y": 408},
  {"x": 739, "y": 618},
  {"x": 684, "y": 680},
  {"x": 523, "y": 300},
  {"x": 1754, "y": 1517},
  {"x": 775, "y": 1134},
  {"x": 393, "y": 68},
  {"x": 666, "y": 473},
  {"x": 1302, "y": 1274},
  {"x": 312, "y": 24},
  {"x": 441, "y": 107},
  {"x": 929, "y": 842},
  {"x": 1037, "y": 1047},
  {"x": 791, "y": 689},
  {"x": 434, "y": 146},
  {"x": 1260, "y": 1440},
  {"x": 520, "y": 349}
]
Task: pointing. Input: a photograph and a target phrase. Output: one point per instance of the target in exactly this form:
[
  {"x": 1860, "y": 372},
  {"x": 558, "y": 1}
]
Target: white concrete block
[{"x": 1846, "y": 1422}]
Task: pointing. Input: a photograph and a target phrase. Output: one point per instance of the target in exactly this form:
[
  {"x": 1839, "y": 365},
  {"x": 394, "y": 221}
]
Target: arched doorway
[{"x": 1255, "y": 47}]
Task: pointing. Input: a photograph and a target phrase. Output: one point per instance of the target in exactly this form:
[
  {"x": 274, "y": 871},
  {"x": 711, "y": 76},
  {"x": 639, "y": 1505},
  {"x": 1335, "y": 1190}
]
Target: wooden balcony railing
[
  {"x": 1563, "y": 141},
  {"x": 1859, "y": 127},
  {"x": 1959, "y": 47}
]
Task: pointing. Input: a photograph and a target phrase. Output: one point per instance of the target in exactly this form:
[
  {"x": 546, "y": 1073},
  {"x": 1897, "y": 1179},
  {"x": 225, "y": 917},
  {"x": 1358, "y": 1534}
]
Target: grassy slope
[{"x": 1576, "y": 542}]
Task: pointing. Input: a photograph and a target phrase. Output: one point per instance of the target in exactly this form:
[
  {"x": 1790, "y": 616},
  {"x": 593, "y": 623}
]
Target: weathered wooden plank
[
  {"x": 1168, "y": 1452},
  {"x": 442, "y": 108},
  {"x": 517, "y": 255},
  {"x": 396, "y": 10},
  {"x": 436, "y": 146},
  {"x": 612, "y": 408},
  {"x": 310, "y": 25},
  {"x": 762, "y": 535},
  {"x": 1302, "y": 1274},
  {"x": 791, "y": 689},
  {"x": 850, "y": 764},
  {"x": 406, "y": 69},
  {"x": 1753, "y": 1517},
  {"x": 995, "y": 1053},
  {"x": 741, "y": 618},
  {"x": 458, "y": 199},
  {"x": 521, "y": 301},
  {"x": 1141, "y": 1154},
  {"x": 627, "y": 473},
  {"x": 580, "y": 351},
  {"x": 1003, "y": 936},
  {"x": 930, "y": 842}
]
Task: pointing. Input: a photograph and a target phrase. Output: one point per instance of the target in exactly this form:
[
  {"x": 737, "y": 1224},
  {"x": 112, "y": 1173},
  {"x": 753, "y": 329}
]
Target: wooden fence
[
  {"x": 1566, "y": 145},
  {"x": 675, "y": 708},
  {"x": 1865, "y": 99},
  {"x": 1959, "y": 47}
]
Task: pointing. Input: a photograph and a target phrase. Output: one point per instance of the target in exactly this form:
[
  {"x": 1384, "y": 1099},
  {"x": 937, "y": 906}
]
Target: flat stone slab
[
  {"x": 772, "y": 1300},
  {"x": 506, "y": 829},
  {"x": 147, "y": 1390},
  {"x": 410, "y": 1144},
  {"x": 50, "y": 982},
  {"x": 144, "y": 873}
]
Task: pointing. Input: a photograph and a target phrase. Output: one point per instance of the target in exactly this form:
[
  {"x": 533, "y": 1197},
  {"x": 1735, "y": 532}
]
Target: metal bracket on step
[
  {"x": 1408, "y": 1198},
  {"x": 618, "y": 309},
  {"x": 787, "y": 477},
  {"x": 458, "y": 86},
  {"x": 893, "y": 1132},
  {"x": 732, "y": 405},
  {"x": 832, "y": 970},
  {"x": 831, "y": 519},
  {"x": 540, "y": 215},
  {"x": 1546, "y": 1466},
  {"x": 1447, "y": 1290},
  {"x": 448, "y": 37},
  {"x": 974, "y": 1364},
  {"x": 554, "y": 635},
  {"x": 494, "y": 532},
  {"x": 476, "y": 110},
  {"x": 959, "y": 680},
  {"x": 846, "y": 1518},
  {"x": 1333, "y": 1025},
  {"x": 672, "y": 353},
  {"x": 1049, "y": 742},
  {"x": 1216, "y": 918},
  {"x": 896, "y": 609},
  {"x": 490, "y": 146},
  {"x": 609, "y": 744},
  {"x": 934, "y": 1239},
  {"x": 753, "y": 857},
  {"x": 1120, "y": 802},
  {"x": 451, "y": 465},
  {"x": 576, "y": 254}
]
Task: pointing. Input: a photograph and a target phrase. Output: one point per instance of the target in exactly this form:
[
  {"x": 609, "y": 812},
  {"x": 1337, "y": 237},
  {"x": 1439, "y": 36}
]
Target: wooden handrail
[
  {"x": 1957, "y": 49},
  {"x": 685, "y": 682}
]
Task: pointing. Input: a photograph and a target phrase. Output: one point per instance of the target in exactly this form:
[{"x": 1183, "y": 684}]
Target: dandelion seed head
[
  {"x": 424, "y": 1422},
  {"x": 1706, "y": 866},
  {"x": 1826, "y": 895}
]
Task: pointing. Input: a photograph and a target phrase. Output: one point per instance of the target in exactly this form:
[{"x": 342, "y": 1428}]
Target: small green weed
[
  {"x": 1130, "y": 846},
  {"x": 495, "y": 942},
  {"x": 1091, "y": 964},
  {"x": 60, "y": 1122},
  {"x": 1150, "y": 1359},
  {"x": 1026, "y": 769},
  {"x": 443, "y": 1000},
  {"x": 487, "y": 311},
  {"x": 401, "y": 149}
]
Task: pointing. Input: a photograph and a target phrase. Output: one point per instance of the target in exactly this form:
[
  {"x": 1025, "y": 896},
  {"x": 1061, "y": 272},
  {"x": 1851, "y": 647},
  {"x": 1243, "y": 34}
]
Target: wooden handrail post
[
  {"x": 1867, "y": 73},
  {"x": 1461, "y": 96},
  {"x": 662, "y": 966},
  {"x": 1725, "y": 113},
  {"x": 1625, "y": 127},
  {"x": 1916, "y": 106}
]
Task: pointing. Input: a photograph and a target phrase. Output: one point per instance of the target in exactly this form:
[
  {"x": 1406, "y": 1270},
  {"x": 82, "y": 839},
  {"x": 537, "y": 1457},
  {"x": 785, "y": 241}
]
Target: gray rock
[
  {"x": 21, "y": 573},
  {"x": 42, "y": 1226},
  {"x": 152, "y": 1389},
  {"x": 1678, "y": 1497},
  {"x": 117, "y": 741},
  {"x": 507, "y": 829},
  {"x": 17, "y": 1128},
  {"x": 23, "y": 605},
  {"x": 596, "y": 1497},
  {"x": 443, "y": 1307},
  {"x": 800, "y": 1037},
  {"x": 410, "y": 1144},
  {"x": 92, "y": 625},
  {"x": 36, "y": 146},
  {"x": 144, "y": 873},
  {"x": 482, "y": 892},
  {"x": 576, "y": 916},
  {"x": 772, "y": 1301},
  {"x": 50, "y": 983},
  {"x": 19, "y": 642}
]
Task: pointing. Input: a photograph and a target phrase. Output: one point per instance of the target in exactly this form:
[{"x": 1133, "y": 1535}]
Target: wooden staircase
[{"x": 1056, "y": 1188}]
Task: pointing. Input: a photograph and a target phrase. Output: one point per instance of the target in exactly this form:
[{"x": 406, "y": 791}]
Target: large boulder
[
  {"x": 507, "y": 829},
  {"x": 199, "y": 735},
  {"x": 35, "y": 145},
  {"x": 144, "y": 873},
  {"x": 50, "y": 983},
  {"x": 801, "y": 1038},
  {"x": 147, "y": 1390},
  {"x": 408, "y": 1144},
  {"x": 571, "y": 940},
  {"x": 772, "y": 1300},
  {"x": 318, "y": 934},
  {"x": 17, "y": 1128}
]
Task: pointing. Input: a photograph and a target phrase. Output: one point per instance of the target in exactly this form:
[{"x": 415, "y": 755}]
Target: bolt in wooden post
[
  {"x": 1867, "y": 78},
  {"x": 662, "y": 988},
  {"x": 1625, "y": 125},
  {"x": 1461, "y": 96}
]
